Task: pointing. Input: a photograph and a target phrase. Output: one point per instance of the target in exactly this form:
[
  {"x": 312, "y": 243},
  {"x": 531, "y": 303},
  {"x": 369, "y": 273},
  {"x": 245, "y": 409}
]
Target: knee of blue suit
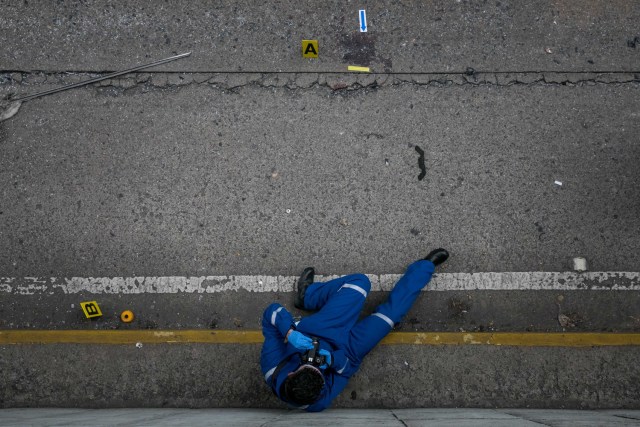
[
  {"x": 360, "y": 280},
  {"x": 266, "y": 315}
]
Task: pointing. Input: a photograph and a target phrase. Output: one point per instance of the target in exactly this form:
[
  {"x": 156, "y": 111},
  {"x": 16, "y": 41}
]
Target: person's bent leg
[
  {"x": 339, "y": 302},
  {"x": 319, "y": 293},
  {"x": 370, "y": 330}
]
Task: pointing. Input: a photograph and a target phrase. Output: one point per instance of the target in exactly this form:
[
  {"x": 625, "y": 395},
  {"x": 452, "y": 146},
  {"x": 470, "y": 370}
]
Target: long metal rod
[{"x": 97, "y": 79}]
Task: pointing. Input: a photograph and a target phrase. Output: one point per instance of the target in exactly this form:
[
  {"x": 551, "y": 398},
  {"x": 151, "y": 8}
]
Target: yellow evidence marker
[
  {"x": 91, "y": 309},
  {"x": 310, "y": 48},
  {"x": 127, "y": 316},
  {"x": 356, "y": 68}
]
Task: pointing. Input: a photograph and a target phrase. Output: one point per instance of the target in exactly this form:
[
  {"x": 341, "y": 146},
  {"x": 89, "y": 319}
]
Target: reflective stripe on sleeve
[
  {"x": 273, "y": 316},
  {"x": 385, "y": 318},
  {"x": 356, "y": 288},
  {"x": 269, "y": 373}
]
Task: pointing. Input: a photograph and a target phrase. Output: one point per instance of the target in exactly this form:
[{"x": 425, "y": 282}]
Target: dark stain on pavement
[
  {"x": 423, "y": 169},
  {"x": 360, "y": 49},
  {"x": 540, "y": 229}
]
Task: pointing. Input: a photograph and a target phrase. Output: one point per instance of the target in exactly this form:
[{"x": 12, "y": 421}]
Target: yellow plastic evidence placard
[
  {"x": 361, "y": 69},
  {"x": 310, "y": 48},
  {"x": 91, "y": 309}
]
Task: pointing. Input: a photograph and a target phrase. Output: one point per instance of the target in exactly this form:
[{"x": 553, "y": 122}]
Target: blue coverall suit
[{"x": 336, "y": 324}]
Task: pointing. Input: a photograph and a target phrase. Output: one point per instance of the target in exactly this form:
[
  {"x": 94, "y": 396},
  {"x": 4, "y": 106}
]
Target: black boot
[
  {"x": 305, "y": 280},
  {"x": 437, "y": 256}
]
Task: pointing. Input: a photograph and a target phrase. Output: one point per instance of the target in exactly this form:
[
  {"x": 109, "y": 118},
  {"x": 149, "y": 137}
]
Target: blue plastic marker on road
[{"x": 363, "y": 21}]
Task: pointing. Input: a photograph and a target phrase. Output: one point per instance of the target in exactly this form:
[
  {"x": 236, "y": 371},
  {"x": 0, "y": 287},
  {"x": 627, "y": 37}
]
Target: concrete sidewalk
[{"x": 346, "y": 417}]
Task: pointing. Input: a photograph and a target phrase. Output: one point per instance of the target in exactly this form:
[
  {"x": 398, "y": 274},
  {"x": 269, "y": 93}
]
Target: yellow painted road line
[
  {"x": 193, "y": 336},
  {"x": 147, "y": 336},
  {"x": 520, "y": 339}
]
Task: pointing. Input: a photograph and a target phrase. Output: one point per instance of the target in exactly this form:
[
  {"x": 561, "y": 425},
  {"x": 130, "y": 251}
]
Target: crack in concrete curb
[{"x": 335, "y": 82}]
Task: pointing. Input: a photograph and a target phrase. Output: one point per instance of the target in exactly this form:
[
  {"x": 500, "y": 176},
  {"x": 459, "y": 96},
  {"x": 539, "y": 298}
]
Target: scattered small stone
[
  {"x": 548, "y": 50},
  {"x": 565, "y": 321},
  {"x": 579, "y": 264},
  {"x": 9, "y": 109},
  {"x": 138, "y": 345}
]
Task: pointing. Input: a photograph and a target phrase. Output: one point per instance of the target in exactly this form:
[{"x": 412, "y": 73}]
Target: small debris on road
[
  {"x": 565, "y": 321},
  {"x": 138, "y": 345},
  {"x": 548, "y": 50},
  {"x": 9, "y": 109},
  {"x": 558, "y": 183},
  {"x": 579, "y": 264}
]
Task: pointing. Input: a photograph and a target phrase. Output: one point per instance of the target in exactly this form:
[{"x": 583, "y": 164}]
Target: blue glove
[
  {"x": 300, "y": 341},
  {"x": 327, "y": 356}
]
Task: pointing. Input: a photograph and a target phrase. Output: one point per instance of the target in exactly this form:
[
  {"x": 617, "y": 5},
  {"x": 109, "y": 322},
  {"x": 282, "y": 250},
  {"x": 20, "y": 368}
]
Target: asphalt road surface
[{"x": 247, "y": 159}]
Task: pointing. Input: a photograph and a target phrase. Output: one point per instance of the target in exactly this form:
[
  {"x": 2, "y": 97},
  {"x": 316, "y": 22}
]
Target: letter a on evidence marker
[{"x": 310, "y": 48}]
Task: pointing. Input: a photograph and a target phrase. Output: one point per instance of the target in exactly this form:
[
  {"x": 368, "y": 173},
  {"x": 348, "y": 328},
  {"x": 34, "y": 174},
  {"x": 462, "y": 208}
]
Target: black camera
[{"x": 313, "y": 356}]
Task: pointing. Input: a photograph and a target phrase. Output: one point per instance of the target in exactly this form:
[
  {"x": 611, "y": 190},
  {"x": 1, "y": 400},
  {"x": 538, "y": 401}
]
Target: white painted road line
[{"x": 557, "y": 281}]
